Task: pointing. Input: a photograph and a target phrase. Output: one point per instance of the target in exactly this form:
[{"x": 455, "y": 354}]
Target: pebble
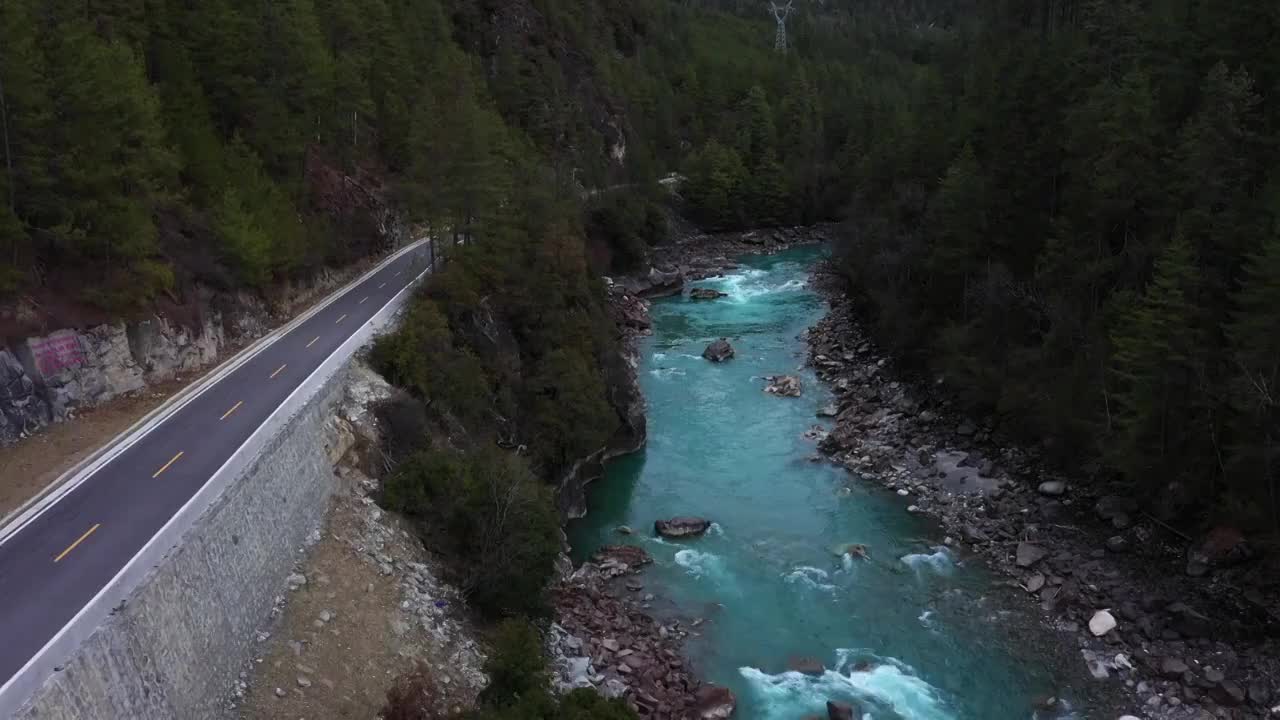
[
  {"x": 279, "y": 692},
  {"x": 326, "y": 615},
  {"x": 304, "y": 681}
]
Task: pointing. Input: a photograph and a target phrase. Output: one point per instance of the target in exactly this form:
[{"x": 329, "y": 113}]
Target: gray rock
[
  {"x": 280, "y": 692},
  {"x": 1188, "y": 622},
  {"x": 1053, "y": 488},
  {"x": 326, "y": 616},
  {"x": 718, "y": 351},
  {"x": 1029, "y": 554},
  {"x": 828, "y": 411},
  {"x": 304, "y": 681},
  {"x": 1034, "y": 583},
  {"x": 699, "y": 293},
  {"x": 966, "y": 429},
  {"x": 1102, "y": 623},
  {"x": 680, "y": 527},
  {"x": 1228, "y": 693},
  {"x": 296, "y": 580},
  {"x": 1172, "y": 667},
  {"x": 1117, "y": 544}
]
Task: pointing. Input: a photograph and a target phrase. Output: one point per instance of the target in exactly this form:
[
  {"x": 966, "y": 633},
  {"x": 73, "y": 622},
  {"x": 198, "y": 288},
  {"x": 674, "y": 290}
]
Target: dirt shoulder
[
  {"x": 365, "y": 607},
  {"x": 29, "y": 466}
]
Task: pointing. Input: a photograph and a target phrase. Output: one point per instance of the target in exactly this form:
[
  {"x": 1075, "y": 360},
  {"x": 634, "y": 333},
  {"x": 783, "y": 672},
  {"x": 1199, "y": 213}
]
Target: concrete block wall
[{"x": 175, "y": 647}]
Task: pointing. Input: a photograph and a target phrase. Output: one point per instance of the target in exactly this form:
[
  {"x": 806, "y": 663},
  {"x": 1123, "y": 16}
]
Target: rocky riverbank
[
  {"x": 606, "y": 637},
  {"x": 1188, "y": 628}
]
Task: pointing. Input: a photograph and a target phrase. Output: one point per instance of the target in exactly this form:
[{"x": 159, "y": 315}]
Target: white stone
[
  {"x": 1102, "y": 623},
  {"x": 1053, "y": 488}
]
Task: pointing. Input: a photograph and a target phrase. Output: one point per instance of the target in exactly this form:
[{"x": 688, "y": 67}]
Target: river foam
[
  {"x": 886, "y": 690},
  {"x": 938, "y": 562}
]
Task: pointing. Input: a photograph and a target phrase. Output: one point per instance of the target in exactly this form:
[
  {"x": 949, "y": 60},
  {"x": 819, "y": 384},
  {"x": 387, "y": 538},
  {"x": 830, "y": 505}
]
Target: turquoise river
[{"x": 765, "y": 577}]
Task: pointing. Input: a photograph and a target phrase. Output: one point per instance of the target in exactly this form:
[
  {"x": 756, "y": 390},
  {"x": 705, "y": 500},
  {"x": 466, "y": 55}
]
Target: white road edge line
[
  {"x": 182, "y": 511},
  {"x": 16, "y": 521}
]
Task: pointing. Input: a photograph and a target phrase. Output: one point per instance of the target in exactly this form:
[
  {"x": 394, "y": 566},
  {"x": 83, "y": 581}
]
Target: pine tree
[
  {"x": 766, "y": 192},
  {"x": 957, "y": 223},
  {"x": 716, "y": 185},
  {"x": 1255, "y": 389},
  {"x": 756, "y": 135},
  {"x": 1157, "y": 366},
  {"x": 113, "y": 161}
]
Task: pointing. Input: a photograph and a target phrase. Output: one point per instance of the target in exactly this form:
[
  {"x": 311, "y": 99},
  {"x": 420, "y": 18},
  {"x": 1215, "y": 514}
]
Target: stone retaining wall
[{"x": 176, "y": 646}]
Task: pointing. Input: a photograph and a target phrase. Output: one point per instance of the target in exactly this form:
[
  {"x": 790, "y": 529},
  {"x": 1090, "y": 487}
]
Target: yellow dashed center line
[
  {"x": 366, "y": 297},
  {"x": 344, "y": 317},
  {"x": 73, "y": 545},
  {"x": 313, "y": 341},
  {"x": 234, "y": 408},
  {"x": 279, "y": 370},
  {"x": 166, "y": 465}
]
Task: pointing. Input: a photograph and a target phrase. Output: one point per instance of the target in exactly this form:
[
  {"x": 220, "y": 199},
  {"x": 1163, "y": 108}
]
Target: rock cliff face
[{"x": 46, "y": 379}]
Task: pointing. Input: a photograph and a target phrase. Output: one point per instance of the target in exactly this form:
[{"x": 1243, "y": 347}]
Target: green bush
[
  {"x": 519, "y": 682},
  {"x": 422, "y": 358},
  {"x": 628, "y": 223},
  {"x": 500, "y": 520},
  {"x": 516, "y": 666}
]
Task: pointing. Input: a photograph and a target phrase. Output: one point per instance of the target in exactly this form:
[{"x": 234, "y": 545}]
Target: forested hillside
[
  {"x": 1070, "y": 209},
  {"x": 1068, "y": 206}
]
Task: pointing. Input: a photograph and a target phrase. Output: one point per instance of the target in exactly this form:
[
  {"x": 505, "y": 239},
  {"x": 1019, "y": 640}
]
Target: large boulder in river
[
  {"x": 700, "y": 293},
  {"x": 783, "y": 385},
  {"x": 713, "y": 702},
  {"x": 718, "y": 351},
  {"x": 681, "y": 527}
]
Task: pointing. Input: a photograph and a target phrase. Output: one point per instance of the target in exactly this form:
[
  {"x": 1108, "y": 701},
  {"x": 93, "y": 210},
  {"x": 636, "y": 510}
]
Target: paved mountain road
[{"x": 57, "y": 562}]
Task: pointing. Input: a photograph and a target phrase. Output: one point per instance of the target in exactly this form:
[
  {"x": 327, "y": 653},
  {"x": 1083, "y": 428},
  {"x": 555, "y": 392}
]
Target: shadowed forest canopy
[{"x": 1071, "y": 210}]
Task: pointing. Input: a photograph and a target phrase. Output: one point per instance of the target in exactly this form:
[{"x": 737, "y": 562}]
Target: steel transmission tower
[{"x": 780, "y": 13}]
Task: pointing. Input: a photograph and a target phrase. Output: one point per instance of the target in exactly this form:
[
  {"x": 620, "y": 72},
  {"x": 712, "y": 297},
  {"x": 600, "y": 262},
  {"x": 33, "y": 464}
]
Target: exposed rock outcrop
[
  {"x": 706, "y": 294},
  {"x": 718, "y": 351},
  {"x": 681, "y": 527},
  {"x": 605, "y": 638}
]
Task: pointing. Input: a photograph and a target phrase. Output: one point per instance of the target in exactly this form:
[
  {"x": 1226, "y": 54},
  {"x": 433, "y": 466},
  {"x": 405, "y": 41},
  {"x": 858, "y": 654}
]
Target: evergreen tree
[
  {"x": 716, "y": 185},
  {"x": 1255, "y": 387},
  {"x": 1157, "y": 366}
]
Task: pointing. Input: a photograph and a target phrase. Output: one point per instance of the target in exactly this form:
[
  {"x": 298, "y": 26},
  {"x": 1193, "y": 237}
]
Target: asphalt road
[{"x": 55, "y": 565}]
